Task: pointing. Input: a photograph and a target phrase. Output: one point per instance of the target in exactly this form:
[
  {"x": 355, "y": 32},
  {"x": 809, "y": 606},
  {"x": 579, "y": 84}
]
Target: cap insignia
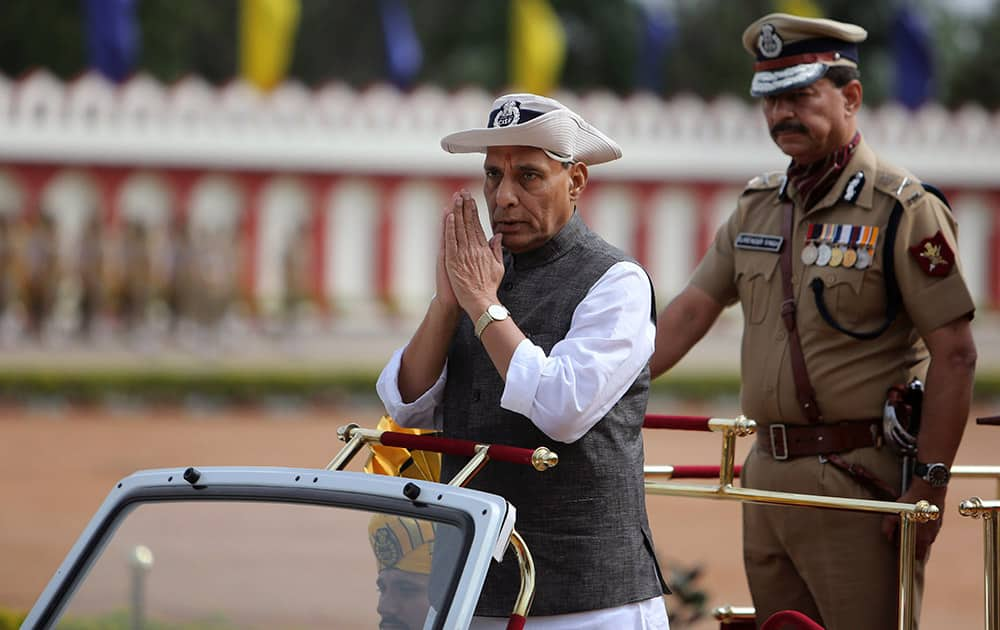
[
  {"x": 508, "y": 115},
  {"x": 769, "y": 42},
  {"x": 387, "y": 549}
]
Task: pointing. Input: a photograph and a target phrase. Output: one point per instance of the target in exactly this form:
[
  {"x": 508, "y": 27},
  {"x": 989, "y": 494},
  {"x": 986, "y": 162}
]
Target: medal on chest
[{"x": 810, "y": 251}]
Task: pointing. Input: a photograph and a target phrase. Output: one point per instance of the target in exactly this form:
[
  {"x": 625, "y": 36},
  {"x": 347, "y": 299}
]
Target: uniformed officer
[
  {"x": 403, "y": 547},
  {"x": 869, "y": 295}
]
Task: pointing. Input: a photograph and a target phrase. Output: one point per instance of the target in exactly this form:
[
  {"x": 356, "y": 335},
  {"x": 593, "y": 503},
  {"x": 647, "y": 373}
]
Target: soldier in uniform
[
  {"x": 402, "y": 548},
  {"x": 846, "y": 270}
]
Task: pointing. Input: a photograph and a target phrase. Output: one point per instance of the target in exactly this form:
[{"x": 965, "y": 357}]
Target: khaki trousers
[{"x": 833, "y": 565}]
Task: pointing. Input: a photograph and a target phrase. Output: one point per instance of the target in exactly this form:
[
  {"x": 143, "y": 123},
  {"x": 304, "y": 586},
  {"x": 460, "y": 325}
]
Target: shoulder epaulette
[
  {"x": 765, "y": 181},
  {"x": 904, "y": 186}
]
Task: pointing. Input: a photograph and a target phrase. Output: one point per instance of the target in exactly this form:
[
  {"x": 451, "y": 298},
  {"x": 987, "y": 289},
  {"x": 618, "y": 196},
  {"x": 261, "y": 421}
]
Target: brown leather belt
[{"x": 783, "y": 441}]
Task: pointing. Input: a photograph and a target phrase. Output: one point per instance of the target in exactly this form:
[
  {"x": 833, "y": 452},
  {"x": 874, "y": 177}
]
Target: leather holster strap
[
  {"x": 785, "y": 441},
  {"x": 804, "y": 391}
]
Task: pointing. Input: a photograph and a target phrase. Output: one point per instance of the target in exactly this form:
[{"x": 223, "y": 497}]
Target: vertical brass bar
[
  {"x": 907, "y": 550},
  {"x": 991, "y": 544},
  {"x": 471, "y": 469},
  {"x": 526, "y": 564},
  {"x": 346, "y": 454},
  {"x": 728, "y": 454}
]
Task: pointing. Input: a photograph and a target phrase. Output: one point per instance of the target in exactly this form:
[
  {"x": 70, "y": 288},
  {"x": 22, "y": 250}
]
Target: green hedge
[
  {"x": 250, "y": 386},
  {"x": 11, "y": 620}
]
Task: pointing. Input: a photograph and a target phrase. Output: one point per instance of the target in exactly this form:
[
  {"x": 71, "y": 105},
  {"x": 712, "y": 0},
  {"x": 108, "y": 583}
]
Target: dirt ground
[{"x": 57, "y": 465}]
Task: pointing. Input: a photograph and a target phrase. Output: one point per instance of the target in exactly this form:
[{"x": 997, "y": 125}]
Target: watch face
[
  {"x": 497, "y": 312},
  {"x": 938, "y": 474}
]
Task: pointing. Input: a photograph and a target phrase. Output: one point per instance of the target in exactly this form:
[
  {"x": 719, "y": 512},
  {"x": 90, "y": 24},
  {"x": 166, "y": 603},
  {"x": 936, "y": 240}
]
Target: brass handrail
[
  {"x": 989, "y": 511},
  {"x": 910, "y": 514},
  {"x": 725, "y": 614},
  {"x": 357, "y": 437},
  {"x": 526, "y": 565}
]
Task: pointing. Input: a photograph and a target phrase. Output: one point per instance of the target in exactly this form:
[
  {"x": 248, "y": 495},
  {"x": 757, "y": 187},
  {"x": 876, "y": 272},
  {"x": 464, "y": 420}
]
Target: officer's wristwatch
[
  {"x": 937, "y": 474},
  {"x": 494, "y": 313}
]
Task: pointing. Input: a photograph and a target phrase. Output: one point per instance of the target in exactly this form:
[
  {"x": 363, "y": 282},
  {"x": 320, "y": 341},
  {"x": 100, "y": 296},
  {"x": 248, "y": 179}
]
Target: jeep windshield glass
[{"x": 221, "y": 564}]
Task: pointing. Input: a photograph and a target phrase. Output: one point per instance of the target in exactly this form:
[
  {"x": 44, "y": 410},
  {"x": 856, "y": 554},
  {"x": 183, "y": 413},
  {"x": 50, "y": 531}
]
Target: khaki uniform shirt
[{"x": 850, "y": 376}]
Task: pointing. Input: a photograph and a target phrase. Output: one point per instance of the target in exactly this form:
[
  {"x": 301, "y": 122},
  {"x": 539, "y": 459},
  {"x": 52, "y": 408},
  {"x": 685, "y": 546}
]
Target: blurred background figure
[
  {"x": 7, "y": 294},
  {"x": 214, "y": 277},
  {"x": 37, "y": 261},
  {"x": 173, "y": 272},
  {"x": 133, "y": 275},
  {"x": 297, "y": 265},
  {"x": 90, "y": 270}
]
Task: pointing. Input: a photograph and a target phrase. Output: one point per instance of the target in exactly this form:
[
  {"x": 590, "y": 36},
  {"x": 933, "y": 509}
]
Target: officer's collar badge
[
  {"x": 854, "y": 185},
  {"x": 769, "y": 42},
  {"x": 933, "y": 255}
]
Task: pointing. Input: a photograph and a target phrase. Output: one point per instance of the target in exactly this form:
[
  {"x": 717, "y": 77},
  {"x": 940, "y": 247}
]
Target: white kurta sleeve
[
  {"x": 424, "y": 412},
  {"x": 610, "y": 341}
]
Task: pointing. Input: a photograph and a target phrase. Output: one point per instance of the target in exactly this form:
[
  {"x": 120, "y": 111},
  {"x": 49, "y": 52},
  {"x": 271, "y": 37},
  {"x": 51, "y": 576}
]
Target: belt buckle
[{"x": 774, "y": 442}]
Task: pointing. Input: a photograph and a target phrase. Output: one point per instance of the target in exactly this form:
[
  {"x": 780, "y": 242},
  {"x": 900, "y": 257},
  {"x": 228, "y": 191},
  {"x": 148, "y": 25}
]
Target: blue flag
[
  {"x": 659, "y": 32},
  {"x": 402, "y": 46},
  {"x": 911, "y": 47},
  {"x": 112, "y": 37}
]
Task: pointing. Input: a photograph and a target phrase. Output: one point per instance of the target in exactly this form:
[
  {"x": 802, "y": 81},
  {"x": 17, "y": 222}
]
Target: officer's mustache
[{"x": 788, "y": 125}]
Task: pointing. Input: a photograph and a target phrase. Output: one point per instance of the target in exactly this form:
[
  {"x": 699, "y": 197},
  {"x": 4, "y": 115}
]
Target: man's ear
[
  {"x": 577, "y": 179},
  {"x": 853, "y": 93}
]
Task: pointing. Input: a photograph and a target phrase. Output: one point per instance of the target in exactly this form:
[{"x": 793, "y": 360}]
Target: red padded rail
[
  {"x": 683, "y": 423},
  {"x": 449, "y": 446},
  {"x": 700, "y": 472},
  {"x": 516, "y": 622},
  {"x": 790, "y": 620}
]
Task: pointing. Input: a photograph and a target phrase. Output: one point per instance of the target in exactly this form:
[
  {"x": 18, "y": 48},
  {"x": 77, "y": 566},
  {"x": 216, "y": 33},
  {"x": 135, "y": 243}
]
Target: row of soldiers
[{"x": 134, "y": 276}]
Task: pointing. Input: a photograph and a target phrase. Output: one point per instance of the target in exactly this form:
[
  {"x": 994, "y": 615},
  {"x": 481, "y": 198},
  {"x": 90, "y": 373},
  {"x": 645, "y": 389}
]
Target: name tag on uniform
[{"x": 759, "y": 242}]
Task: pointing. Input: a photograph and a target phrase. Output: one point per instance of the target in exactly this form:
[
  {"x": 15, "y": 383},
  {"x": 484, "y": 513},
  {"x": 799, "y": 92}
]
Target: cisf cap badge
[
  {"x": 508, "y": 115},
  {"x": 769, "y": 42}
]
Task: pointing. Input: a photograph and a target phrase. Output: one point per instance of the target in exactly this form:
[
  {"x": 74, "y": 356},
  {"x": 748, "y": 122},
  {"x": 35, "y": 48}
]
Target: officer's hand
[
  {"x": 925, "y": 532},
  {"x": 474, "y": 265}
]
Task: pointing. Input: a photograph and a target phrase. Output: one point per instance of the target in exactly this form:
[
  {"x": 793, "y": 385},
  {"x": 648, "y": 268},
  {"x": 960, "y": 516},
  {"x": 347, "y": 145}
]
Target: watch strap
[{"x": 488, "y": 318}]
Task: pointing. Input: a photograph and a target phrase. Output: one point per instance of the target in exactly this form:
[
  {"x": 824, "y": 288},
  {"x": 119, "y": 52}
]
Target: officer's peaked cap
[{"x": 793, "y": 52}]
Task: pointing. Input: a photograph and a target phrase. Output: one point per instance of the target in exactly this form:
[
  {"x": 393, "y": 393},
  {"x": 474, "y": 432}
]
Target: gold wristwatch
[{"x": 494, "y": 313}]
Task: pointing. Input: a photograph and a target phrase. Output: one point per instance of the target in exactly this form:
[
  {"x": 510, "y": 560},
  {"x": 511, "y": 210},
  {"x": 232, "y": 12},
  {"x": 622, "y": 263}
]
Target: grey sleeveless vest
[{"x": 584, "y": 520}]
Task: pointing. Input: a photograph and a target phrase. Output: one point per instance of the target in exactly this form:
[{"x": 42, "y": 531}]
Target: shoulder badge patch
[{"x": 933, "y": 255}]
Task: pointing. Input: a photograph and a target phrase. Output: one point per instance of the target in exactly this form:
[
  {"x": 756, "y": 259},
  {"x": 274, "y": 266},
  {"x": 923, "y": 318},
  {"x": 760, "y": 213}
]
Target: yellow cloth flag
[
  {"x": 267, "y": 35},
  {"x": 801, "y": 8},
  {"x": 537, "y": 46},
  {"x": 402, "y": 462}
]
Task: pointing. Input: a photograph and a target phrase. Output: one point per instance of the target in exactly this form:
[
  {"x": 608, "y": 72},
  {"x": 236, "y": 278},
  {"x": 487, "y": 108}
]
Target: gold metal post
[
  {"x": 740, "y": 425},
  {"x": 727, "y": 465},
  {"x": 990, "y": 513},
  {"x": 907, "y": 561},
  {"x": 472, "y": 468},
  {"x": 659, "y": 471},
  {"x": 355, "y": 438},
  {"x": 728, "y": 614},
  {"x": 526, "y": 563}
]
